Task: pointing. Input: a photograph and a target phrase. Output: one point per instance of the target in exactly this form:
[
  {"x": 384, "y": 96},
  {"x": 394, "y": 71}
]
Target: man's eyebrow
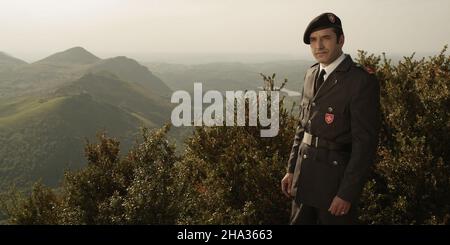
[{"x": 326, "y": 36}]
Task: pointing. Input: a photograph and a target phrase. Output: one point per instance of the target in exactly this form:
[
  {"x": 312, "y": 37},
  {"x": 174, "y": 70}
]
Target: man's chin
[
  {"x": 321, "y": 57},
  {"x": 321, "y": 60}
]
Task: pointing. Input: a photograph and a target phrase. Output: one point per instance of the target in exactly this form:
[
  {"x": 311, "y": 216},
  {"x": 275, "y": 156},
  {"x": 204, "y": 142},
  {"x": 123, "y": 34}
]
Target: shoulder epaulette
[{"x": 368, "y": 69}]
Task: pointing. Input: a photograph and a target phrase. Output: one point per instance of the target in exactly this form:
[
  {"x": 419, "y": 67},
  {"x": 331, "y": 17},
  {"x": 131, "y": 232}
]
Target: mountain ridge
[
  {"x": 60, "y": 68},
  {"x": 130, "y": 70},
  {"x": 9, "y": 60},
  {"x": 75, "y": 55}
]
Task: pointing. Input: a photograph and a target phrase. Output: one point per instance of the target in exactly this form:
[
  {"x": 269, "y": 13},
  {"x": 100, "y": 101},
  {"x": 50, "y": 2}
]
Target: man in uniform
[{"x": 336, "y": 140}]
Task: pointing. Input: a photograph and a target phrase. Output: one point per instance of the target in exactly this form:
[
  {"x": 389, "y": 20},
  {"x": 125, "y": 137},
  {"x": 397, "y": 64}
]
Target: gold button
[{"x": 335, "y": 163}]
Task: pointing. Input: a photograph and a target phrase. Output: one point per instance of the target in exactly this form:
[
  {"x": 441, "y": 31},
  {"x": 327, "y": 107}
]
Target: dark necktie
[{"x": 320, "y": 80}]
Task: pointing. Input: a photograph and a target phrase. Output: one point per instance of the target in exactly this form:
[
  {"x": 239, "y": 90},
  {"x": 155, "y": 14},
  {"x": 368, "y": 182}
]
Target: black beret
[{"x": 322, "y": 21}]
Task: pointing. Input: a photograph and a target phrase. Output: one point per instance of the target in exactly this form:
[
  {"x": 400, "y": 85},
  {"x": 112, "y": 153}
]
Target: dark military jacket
[{"x": 345, "y": 110}]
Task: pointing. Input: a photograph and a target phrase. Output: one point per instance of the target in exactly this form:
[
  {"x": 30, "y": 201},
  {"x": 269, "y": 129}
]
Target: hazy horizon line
[{"x": 200, "y": 57}]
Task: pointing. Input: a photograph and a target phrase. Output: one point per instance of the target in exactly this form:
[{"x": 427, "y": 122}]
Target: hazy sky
[{"x": 32, "y": 29}]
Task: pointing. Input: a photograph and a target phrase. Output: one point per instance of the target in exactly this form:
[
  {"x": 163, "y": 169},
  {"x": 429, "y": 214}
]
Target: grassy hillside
[
  {"x": 132, "y": 97},
  {"x": 47, "y": 137},
  {"x": 130, "y": 70},
  {"x": 41, "y": 136}
]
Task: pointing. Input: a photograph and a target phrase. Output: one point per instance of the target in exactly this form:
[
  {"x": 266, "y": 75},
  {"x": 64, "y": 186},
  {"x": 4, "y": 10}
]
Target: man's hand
[
  {"x": 286, "y": 184},
  {"x": 339, "y": 206}
]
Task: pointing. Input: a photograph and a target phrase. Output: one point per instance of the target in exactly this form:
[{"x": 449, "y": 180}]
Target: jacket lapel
[{"x": 309, "y": 82}]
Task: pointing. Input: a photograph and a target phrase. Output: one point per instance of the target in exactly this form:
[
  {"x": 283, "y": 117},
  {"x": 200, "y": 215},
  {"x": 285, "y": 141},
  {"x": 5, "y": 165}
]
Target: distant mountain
[
  {"x": 40, "y": 137},
  {"x": 224, "y": 76},
  {"x": 130, "y": 70},
  {"x": 134, "y": 98},
  {"x": 7, "y": 61},
  {"x": 76, "y": 55},
  {"x": 58, "y": 69},
  {"x": 48, "y": 108}
]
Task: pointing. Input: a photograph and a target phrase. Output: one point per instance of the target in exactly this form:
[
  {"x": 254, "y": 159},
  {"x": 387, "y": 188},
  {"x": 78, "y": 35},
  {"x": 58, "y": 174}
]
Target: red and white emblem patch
[
  {"x": 331, "y": 18},
  {"x": 329, "y": 118}
]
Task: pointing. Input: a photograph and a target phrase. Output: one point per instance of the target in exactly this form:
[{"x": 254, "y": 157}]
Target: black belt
[{"x": 317, "y": 142}]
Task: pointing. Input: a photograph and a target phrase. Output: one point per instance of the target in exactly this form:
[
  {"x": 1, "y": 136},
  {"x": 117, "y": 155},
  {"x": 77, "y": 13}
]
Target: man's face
[{"x": 324, "y": 45}]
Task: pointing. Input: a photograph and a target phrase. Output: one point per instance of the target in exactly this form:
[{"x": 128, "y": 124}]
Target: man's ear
[{"x": 341, "y": 40}]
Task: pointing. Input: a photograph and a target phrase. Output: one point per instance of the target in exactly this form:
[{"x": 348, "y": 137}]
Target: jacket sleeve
[
  {"x": 294, "y": 151},
  {"x": 297, "y": 141},
  {"x": 365, "y": 124}
]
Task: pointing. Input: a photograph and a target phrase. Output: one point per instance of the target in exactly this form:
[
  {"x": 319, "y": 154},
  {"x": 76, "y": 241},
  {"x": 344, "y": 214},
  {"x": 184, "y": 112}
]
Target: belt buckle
[
  {"x": 307, "y": 138},
  {"x": 311, "y": 140}
]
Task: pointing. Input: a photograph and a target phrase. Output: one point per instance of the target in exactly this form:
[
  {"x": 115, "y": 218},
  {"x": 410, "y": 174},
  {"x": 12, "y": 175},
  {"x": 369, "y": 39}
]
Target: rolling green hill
[
  {"x": 42, "y": 136},
  {"x": 130, "y": 70},
  {"x": 44, "y": 140},
  {"x": 137, "y": 99}
]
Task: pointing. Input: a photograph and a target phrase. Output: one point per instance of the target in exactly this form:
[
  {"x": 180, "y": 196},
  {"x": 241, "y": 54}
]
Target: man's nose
[
  {"x": 320, "y": 44},
  {"x": 317, "y": 45}
]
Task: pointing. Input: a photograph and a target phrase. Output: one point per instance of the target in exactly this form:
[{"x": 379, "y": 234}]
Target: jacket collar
[{"x": 331, "y": 80}]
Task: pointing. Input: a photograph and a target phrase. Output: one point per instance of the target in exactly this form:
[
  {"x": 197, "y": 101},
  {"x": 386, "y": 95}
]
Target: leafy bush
[
  {"x": 136, "y": 189},
  {"x": 411, "y": 182}
]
